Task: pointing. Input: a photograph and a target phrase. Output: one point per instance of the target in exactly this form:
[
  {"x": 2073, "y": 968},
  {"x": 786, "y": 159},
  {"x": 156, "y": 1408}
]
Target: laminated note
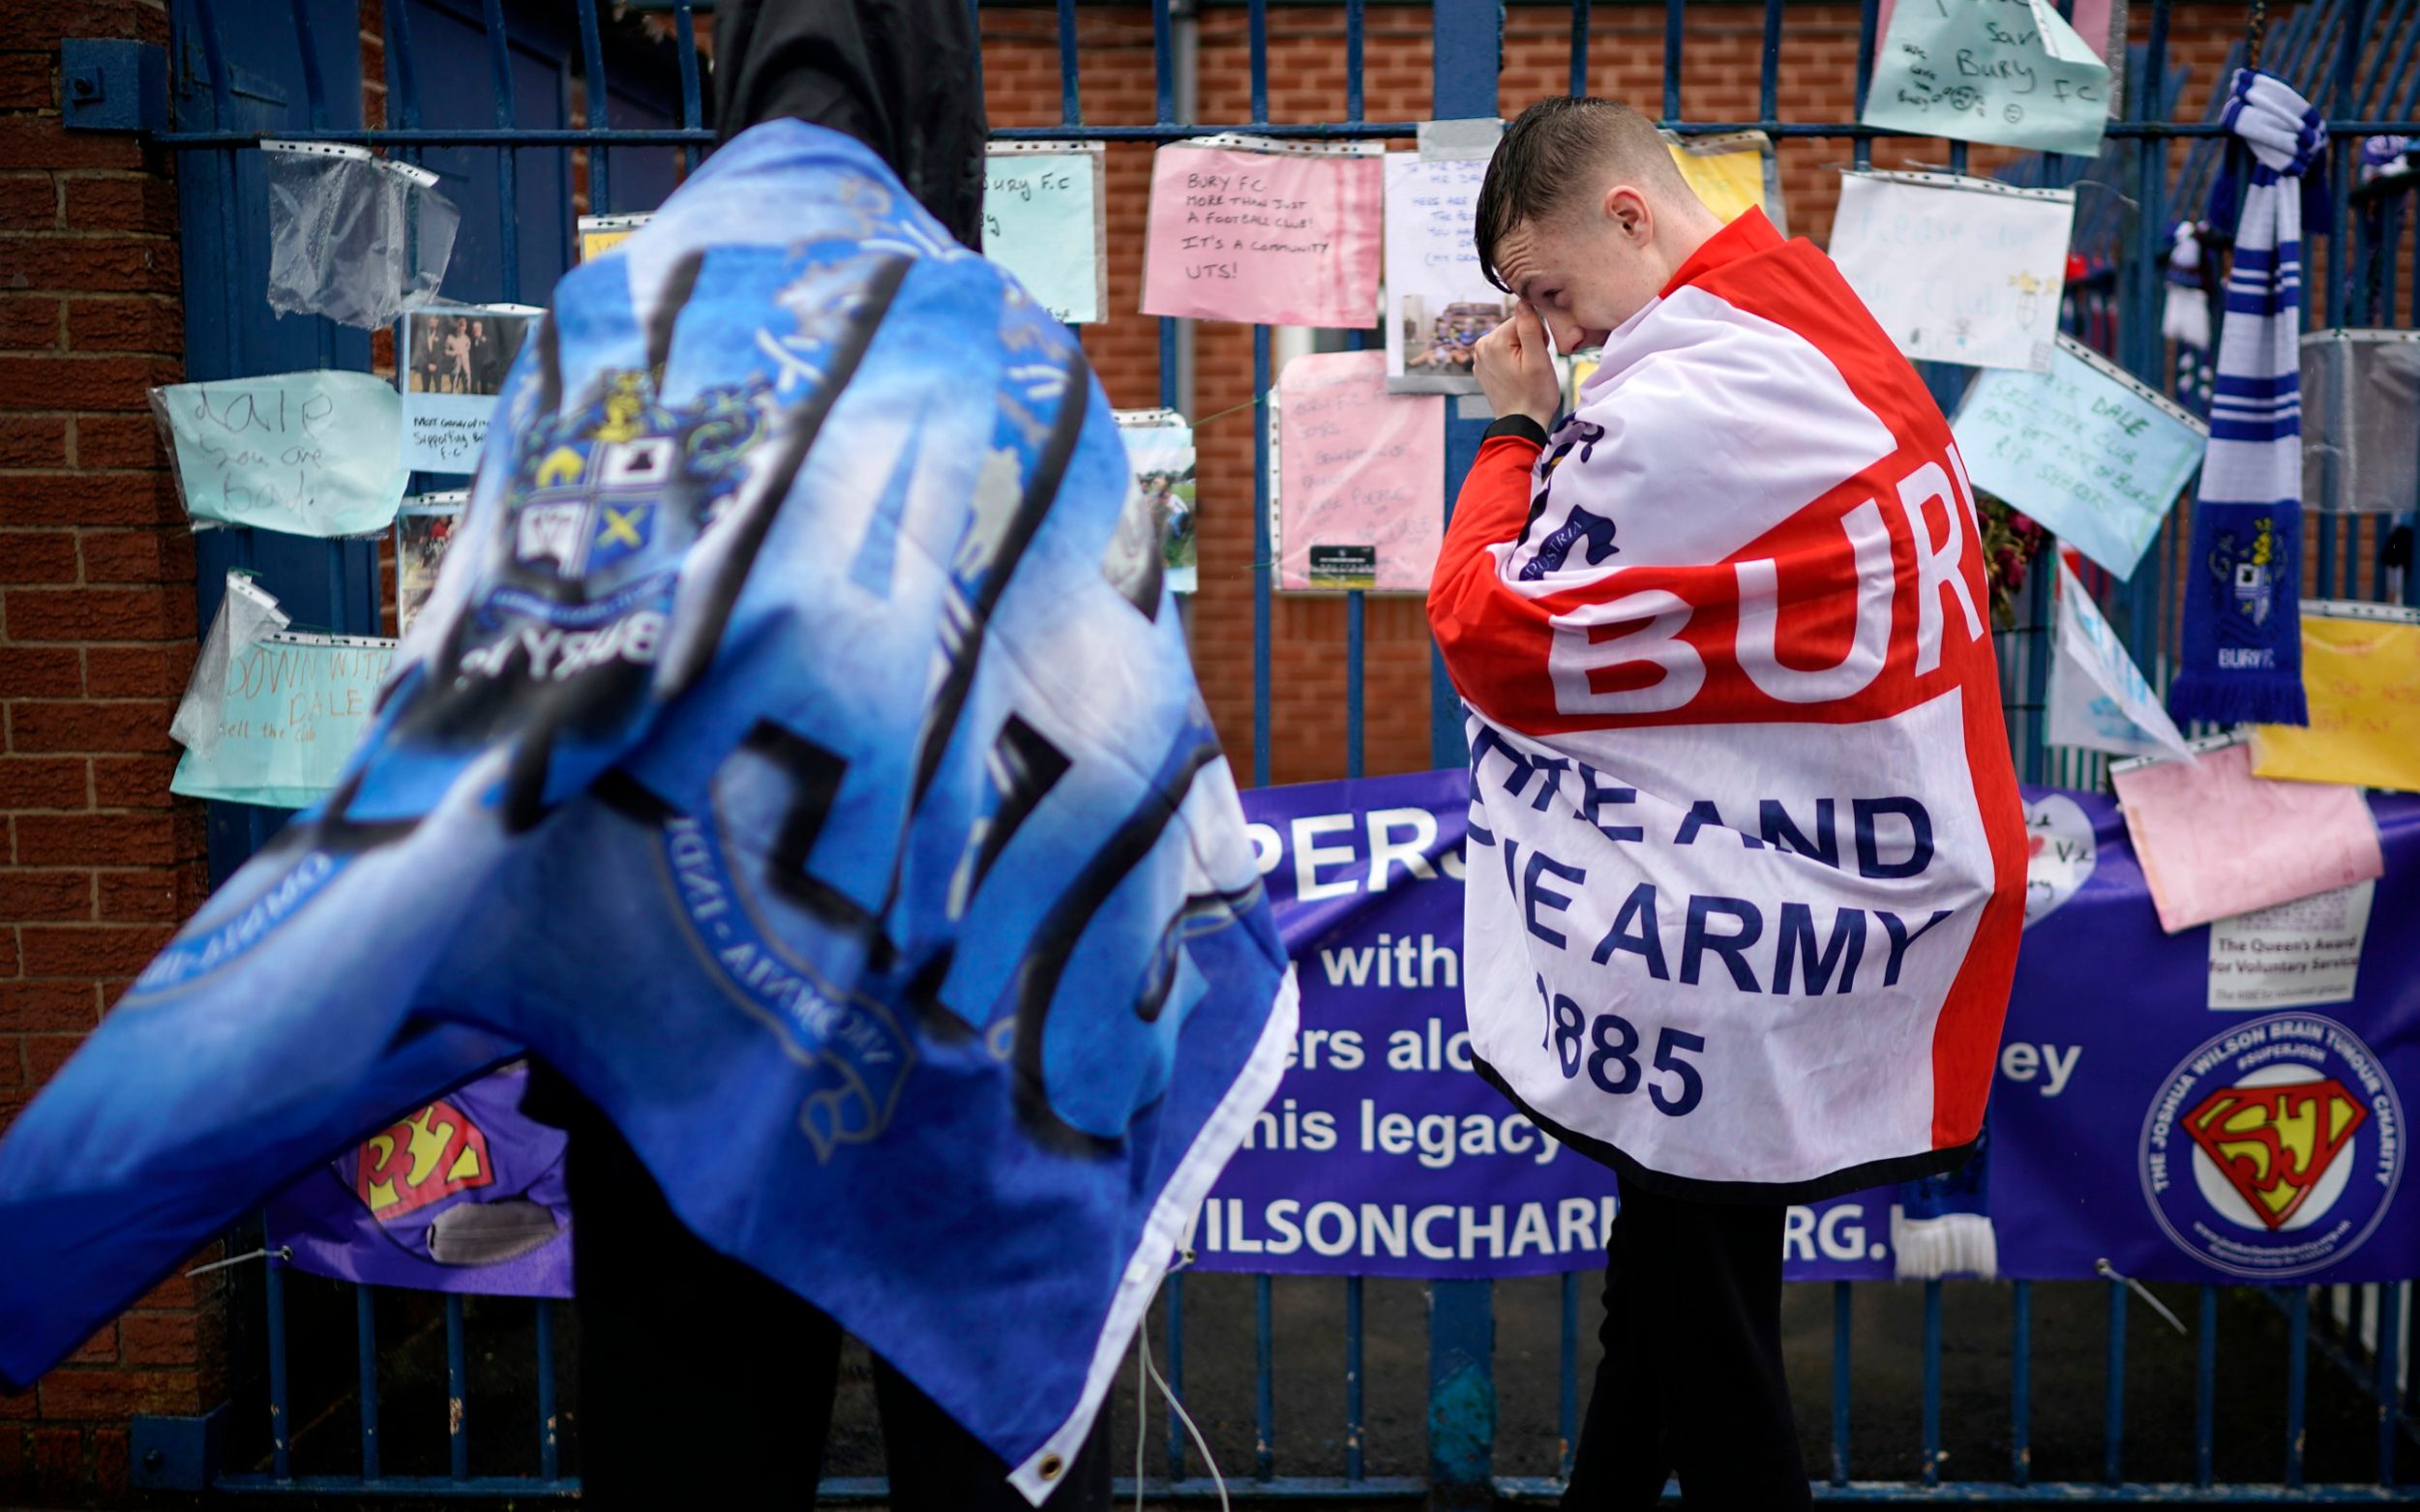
[
  {"x": 2009, "y": 71},
  {"x": 1264, "y": 232},
  {"x": 1361, "y": 493},
  {"x": 1045, "y": 221},
  {"x": 2214, "y": 840},
  {"x": 2361, "y": 673},
  {"x": 452, "y": 360},
  {"x": 424, "y": 528},
  {"x": 2099, "y": 700},
  {"x": 1159, "y": 448},
  {"x": 2086, "y": 449},
  {"x": 1956, "y": 269},
  {"x": 600, "y": 234},
  {"x": 1439, "y": 304},
  {"x": 1733, "y": 173},
  {"x": 311, "y": 453},
  {"x": 294, "y": 707}
]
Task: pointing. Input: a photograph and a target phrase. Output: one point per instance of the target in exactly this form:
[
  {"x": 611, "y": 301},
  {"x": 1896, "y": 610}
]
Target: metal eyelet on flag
[{"x": 1051, "y": 1465}]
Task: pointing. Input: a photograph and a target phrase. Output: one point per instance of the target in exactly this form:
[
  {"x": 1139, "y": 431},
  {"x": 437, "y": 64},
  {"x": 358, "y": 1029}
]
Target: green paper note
[
  {"x": 293, "y": 709},
  {"x": 2008, "y": 72}
]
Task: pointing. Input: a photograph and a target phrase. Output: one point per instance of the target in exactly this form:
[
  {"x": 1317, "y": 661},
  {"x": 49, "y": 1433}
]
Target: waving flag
[
  {"x": 798, "y": 753},
  {"x": 1747, "y": 863}
]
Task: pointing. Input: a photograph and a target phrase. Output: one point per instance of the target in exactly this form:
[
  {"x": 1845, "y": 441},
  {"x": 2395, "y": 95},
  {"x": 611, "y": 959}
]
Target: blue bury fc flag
[{"x": 798, "y": 753}]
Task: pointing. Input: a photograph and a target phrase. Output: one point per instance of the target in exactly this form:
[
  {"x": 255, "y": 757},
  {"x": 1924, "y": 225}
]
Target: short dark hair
[{"x": 1555, "y": 151}]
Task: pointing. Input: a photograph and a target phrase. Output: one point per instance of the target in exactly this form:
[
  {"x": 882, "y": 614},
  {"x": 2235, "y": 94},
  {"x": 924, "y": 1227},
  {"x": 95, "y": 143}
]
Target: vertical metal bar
[
  {"x": 1352, "y": 1417},
  {"x": 1356, "y": 609},
  {"x": 1070, "y": 105},
  {"x": 1842, "y": 1305},
  {"x": 1674, "y": 30},
  {"x": 1461, "y": 1394},
  {"x": 2297, "y": 1379},
  {"x": 2113, "y": 1406},
  {"x": 366, "y": 1343},
  {"x": 599, "y": 113},
  {"x": 1568, "y": 1377},
  {"x": 1579, "y": 48},
  {"x": 1260, "y": 62},
  {"x": 685, "y": 32},
  {"x": 1173, "y": 1288},
  {"x": 507, "y": 161},
  {"x": 1264, "y": 1381},
  {"x": 1768, "y": 69},
  {"x": 2390, "y": 1340},
  {"x": 2206, "y": 1387},
  {"x": 1868, "y": 17},
  {"x": 1353, "y": 34},
  {"x": 315, "y": 87},
  {"x": 1263, "y": 571},
  {"x": 1933, "y": 1384},
  {"x": 549, "y": 1463},
  {"x": 1163, "y": 63},
  {"x": 2020, "y": 1384},
  {"x": 280, "y": 1456},
  {"x": 457, "y": 1389}
]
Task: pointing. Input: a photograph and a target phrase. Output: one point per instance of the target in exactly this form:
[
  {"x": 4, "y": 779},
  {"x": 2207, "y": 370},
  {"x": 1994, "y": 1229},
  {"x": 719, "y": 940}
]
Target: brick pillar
[{"x": 96, "y": 636}]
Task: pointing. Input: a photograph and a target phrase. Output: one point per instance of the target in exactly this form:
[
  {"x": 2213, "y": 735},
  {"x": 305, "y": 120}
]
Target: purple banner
[
  {"x": 1382, "y": 1154},
  {"x": 464, "y": 1195}
]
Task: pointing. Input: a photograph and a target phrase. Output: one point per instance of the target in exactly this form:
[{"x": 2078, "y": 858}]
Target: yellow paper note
[
  {"x": 1729, "y": 173},
  {"x": 2362, "y": 677}
]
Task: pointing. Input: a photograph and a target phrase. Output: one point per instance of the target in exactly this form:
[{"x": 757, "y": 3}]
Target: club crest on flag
[
  {"x": 422, "y": 1159},
  {"x": 2275, "y": 1148}
]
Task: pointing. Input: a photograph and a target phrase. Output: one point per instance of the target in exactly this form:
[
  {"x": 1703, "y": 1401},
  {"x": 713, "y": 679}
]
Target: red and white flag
[{"x": 1746, "y": 857}]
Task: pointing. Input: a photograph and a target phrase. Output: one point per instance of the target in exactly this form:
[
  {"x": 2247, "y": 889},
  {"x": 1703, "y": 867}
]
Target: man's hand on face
[{"x": 1517, "y": 372}]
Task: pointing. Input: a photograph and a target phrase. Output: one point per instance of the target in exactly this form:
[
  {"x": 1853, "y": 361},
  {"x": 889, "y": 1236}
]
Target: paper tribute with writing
[
  {"x": 1046, "y": 220},
  {"x": 1261, "y": 232},
  {"x": 600, "y": 234},
  {"x": 294, "y": 709},
  {"x": 2009, "y": 71},
  {"x": 1358, "y": 496},
  {"x": 1439, "y": 304},
  {"x": 2296, "y": 954},
  {"x": 451, "y": 361},
  {"x": 2213, "y": 839},
  {"x": 424, "y": 528},
  {"x": 2085, "y": 448},
  {"x": 311, "y": 453},
  {"x": 246, "y": 615},
  {"x": 1159, "y": 448},
  {"x": 2361, "y": 674},
  {"x": 2099, "y": 698},
  {"x": 1956, "y": 269}
]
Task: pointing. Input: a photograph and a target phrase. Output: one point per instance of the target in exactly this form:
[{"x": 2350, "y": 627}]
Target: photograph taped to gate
[{"x": 2274, "y": 1149}]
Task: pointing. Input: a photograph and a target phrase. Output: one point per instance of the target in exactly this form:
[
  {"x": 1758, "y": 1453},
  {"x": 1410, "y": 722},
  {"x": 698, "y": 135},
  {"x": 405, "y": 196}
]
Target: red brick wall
[{"x": 96, "y": 634}]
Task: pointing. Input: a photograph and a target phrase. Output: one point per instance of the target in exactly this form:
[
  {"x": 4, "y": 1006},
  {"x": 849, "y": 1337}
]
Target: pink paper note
[
  {"x": 1358, "y": 467},
  {"x": 2213, "y": 839},
  {"x": 1272, "y": 238}
]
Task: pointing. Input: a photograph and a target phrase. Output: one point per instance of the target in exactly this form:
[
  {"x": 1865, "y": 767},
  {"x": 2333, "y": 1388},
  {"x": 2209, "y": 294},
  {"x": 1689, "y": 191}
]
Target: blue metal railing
[{"x": 2354, "y": 55}]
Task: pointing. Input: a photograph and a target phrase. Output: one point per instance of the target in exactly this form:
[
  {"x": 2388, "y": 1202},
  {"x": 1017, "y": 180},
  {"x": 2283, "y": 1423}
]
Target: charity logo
[
  {"x": 419, "y": 1160},
  {"x": 2059, "y": 854},
  {"x": 2274, "y": 1150}
]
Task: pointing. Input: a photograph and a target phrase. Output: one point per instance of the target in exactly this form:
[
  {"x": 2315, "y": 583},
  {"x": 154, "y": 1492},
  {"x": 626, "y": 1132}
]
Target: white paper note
[{"x": 1956, "y": 269}]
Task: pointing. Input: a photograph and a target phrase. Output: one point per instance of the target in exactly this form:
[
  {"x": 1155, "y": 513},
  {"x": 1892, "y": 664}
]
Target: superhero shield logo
[
  {"x": 2274, "y": 1149},
  {"x": 423, "y": 1159}
]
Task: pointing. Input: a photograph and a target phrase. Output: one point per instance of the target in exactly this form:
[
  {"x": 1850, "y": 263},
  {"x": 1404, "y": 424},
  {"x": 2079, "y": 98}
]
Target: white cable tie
[
  {"x": 2108, "y": 1272},
  {"x": 283, "y": 1252}
]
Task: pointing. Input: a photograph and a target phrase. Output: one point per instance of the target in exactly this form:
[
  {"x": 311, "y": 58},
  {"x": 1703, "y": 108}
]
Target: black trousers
[
  {"x": 1691, "y": 1380},
  {"x": 705, "y": 1384}
]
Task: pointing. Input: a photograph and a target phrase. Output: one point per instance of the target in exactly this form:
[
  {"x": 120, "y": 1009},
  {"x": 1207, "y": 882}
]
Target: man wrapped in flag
[
  {"x": 799, "y": 756},
  {"x": 1747, "y": 863}
]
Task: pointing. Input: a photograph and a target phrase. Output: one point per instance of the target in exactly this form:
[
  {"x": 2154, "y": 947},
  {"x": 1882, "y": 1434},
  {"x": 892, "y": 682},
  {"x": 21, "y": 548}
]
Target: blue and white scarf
[
  {"x": 800, "y": 753},
  {"x": 2242, "y": 646}
]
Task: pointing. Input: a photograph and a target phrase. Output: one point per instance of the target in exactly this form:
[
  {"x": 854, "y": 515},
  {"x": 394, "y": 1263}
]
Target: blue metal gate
[{"x": 520, "y": 103}]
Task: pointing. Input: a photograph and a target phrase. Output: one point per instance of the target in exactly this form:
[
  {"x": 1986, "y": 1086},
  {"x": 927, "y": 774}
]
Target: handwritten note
[
  {"x": 600, "y": 234},
  {"x": 311, "y": 453},
  {"x": 2009, "y": 71},
  {"x": 2099, "y": 700},
  {"x": 2083, "y": 448},
  {"x": 2362, "y": 677},
  {"x": 451, "y": 363},
  {"x": 1956, "y": 269},
  {"x": 1044, "y": 221},
  {"x": 2214, "y": 840},
  {"x": 293, "y": 710},
  {"x": 1733, "y": 173},
  {"x": 1361, "y": 493},
  {"x": 1278, "y": 238},
  {"x": 1439, "y": 302}
]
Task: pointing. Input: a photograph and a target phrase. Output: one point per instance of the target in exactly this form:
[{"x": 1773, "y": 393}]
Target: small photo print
[
  {"x": 466, "y": 352},
  {"x": 1440, "y": 339},
  {"x": 423, "y": 531}
]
